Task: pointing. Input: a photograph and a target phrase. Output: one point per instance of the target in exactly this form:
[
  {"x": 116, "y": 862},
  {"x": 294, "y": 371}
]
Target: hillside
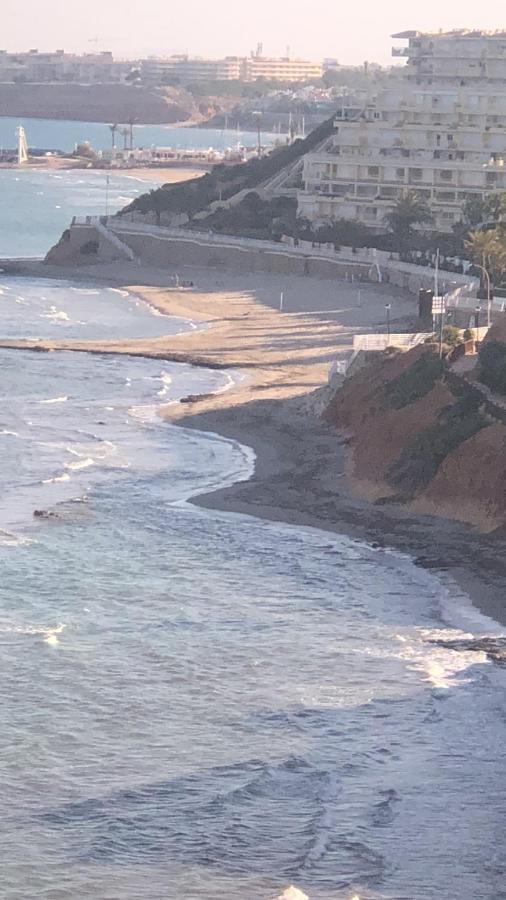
[
  {"x": 96, "y": 103},
  {"x": 416, "y": 441},
  {"x": 223, "y": 182}
]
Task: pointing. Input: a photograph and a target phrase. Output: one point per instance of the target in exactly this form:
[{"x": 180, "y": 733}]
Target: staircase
[{"x": 113, "y": 239}]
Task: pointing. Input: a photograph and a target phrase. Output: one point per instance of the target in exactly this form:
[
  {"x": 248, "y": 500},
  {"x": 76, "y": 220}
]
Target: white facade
[
  {"x": 439, "y": 130},
  {"x": 231, "y": 68},
  {"x": 58, "y": 66}
]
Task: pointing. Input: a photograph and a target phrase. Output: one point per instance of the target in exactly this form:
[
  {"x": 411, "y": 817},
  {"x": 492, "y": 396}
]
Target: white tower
[{"x": 22, "y": 146}]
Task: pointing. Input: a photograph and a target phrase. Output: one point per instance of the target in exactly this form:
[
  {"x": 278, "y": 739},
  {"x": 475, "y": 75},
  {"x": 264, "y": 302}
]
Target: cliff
[
  {"x": 423, "y": 440},
  {"x": 95, "y": 103}
]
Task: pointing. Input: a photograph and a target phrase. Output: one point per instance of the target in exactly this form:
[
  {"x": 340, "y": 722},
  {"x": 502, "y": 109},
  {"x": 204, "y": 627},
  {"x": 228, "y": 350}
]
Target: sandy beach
[{"x": 280, "y": 363}]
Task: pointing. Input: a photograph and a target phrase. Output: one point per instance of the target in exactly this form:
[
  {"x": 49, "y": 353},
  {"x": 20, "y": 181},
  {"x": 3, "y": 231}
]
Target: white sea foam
[
  {"x": 49, "y": 635},
  {"x": 166, "y": 384},
  {"x": 55, "y": 400},
  {"x": 56, "y": 315},
  {"x": 442, "y": 667},
  {"x": 11, "y": 433},
  {"x": 80, "y": 464},
  {"x": 147, "y": 413},
  {"x": 120, "y": 292},
  {"x": 9, "y": 539},
  {"x": 64, "y": 477},
  {"x": 90, "y": 292}
]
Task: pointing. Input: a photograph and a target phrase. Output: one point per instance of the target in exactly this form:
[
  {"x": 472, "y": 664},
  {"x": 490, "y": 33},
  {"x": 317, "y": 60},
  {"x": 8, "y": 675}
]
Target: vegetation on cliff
[
  {"x": 410, "y": 427},
  {"x": 419, "y": 461},
  {"x": 224, "y": 181}
]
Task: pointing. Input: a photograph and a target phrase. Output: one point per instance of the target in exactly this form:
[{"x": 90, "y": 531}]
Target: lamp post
[
  {"x": 489, "y": 300},
  {"x": 257, "y": 115},
  {"x": 388, "y": 307},
  {"x": 477, "y": 317}
]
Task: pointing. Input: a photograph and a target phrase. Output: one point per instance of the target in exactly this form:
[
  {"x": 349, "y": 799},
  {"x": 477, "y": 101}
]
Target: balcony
[{"x": 400, "y": 51}]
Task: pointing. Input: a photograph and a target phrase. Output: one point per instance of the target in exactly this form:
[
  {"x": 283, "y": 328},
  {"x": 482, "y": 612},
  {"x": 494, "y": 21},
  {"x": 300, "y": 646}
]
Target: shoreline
[{"x": 299, "y": 475}]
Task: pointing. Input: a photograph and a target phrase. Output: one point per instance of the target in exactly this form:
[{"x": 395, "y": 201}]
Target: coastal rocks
[
  {"x": 45, "y": 514},
  {"x": 195, "y": 398},
  {"x": 494, "y": 647}
]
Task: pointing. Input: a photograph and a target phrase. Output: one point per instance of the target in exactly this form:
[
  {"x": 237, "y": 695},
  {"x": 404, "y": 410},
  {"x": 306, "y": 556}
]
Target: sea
[
  {"x": 49, "y": 134},
  {"x": 197, "y": 705}
]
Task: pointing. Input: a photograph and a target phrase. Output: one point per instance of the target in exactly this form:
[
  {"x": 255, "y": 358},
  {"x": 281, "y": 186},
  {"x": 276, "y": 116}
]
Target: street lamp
[
  {"x": 257, "y": 115},
  {"x": 477, "y": 317},
  {"x": 489, "y": 299},
  {"x": 388, "y": 307}
]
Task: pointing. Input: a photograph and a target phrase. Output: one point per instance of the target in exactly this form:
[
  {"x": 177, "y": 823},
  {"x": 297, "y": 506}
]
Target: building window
[
  {"x": 373, "y": 171},
  {"x": 416, "y": 174},
  {"x": 400, "y": 173},
  {"x": 445, "y": 175}
]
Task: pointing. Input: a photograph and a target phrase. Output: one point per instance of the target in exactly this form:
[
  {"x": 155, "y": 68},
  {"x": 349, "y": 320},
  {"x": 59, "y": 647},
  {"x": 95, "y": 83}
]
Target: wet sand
[{"x": 281, "y": 361}]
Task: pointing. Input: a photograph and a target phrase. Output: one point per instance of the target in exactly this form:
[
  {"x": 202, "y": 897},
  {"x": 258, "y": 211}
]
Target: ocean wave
[
  {"x": 148, "y": 413},
  {"x": 56, "y": 315},
  {"x": 63, "y": 477},
  {"x": 443, "y": 668},
  {"x": 55, "y": 400},
  {"x": 10, "y": 433},
  {"x": 80, "y": 464},
  {"x": 10, "y": 539},
  {"x": 166, "y": 380},
  {"x": 89, "y": 292},
  {"x": 50, "y": 635}
]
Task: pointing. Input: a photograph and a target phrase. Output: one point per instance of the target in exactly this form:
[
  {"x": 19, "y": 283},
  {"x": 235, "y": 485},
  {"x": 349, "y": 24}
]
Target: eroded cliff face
[{"x": 417, "y": 441}]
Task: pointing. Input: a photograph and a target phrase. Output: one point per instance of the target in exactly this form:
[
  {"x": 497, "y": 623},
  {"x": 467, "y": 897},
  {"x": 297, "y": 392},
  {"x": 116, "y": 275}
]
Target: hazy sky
[{"x": 351, "y": 32}]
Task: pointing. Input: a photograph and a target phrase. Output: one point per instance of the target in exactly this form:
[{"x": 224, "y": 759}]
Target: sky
[{"x": 228, "y": 27}]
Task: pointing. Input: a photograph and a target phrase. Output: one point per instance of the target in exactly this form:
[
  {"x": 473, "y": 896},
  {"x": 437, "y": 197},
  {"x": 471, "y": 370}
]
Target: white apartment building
[
  {"x": 57, "y": 66},
  {"x": 191, "y": 69},
  {"x": 280, "y": 69},
  {"x": 231, "y": 68},
  {"x": 439, "y": 130}
]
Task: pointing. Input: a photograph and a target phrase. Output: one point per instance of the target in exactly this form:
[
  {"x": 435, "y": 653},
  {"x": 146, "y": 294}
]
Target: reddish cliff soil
[
  {"x": 377, "y": 434},
  {"x": 470, "y": 485}
]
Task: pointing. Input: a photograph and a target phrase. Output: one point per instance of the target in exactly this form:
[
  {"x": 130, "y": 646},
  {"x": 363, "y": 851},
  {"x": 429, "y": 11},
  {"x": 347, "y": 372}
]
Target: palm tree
[
  {"x": 488, "y": 249},
  {"x": 474, "y": 212},
  {"x": 495, "y": 207},
  {"x": 113, "y": 129},
  {"x": 410, "y": 209}
]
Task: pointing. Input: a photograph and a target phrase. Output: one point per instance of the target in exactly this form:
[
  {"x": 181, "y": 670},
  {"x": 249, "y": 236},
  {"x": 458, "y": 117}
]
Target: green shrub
[
  {"x": 451, "y": 335},
  {"x": 420, "y": 461},
  {"x": 225, "y": 181},
  {"x": 415, "y": 383},
  {"x": 492, "y": 366}
]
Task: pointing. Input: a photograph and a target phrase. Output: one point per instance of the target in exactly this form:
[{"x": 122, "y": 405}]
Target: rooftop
[{"x": 456, "y": 32}]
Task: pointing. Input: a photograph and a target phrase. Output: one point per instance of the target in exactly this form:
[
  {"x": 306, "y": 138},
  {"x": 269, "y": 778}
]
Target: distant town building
[
  {"x": 439, "y": 130},
  {"x": 189, "y": 69},
  {"x": 231, "y": 68},
  {"x": 40, "y": 68},
  {"x": 282, "y": 69}
]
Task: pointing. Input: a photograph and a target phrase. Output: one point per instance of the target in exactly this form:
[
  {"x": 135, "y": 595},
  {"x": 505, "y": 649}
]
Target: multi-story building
[
  {"x": 439, "y": 130},
  {"x": 58, "y": 66},
  {"x": 282, "y": 69},
  {"x": 189, "y": 69},
  {"x": 231, "y": 68}
]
